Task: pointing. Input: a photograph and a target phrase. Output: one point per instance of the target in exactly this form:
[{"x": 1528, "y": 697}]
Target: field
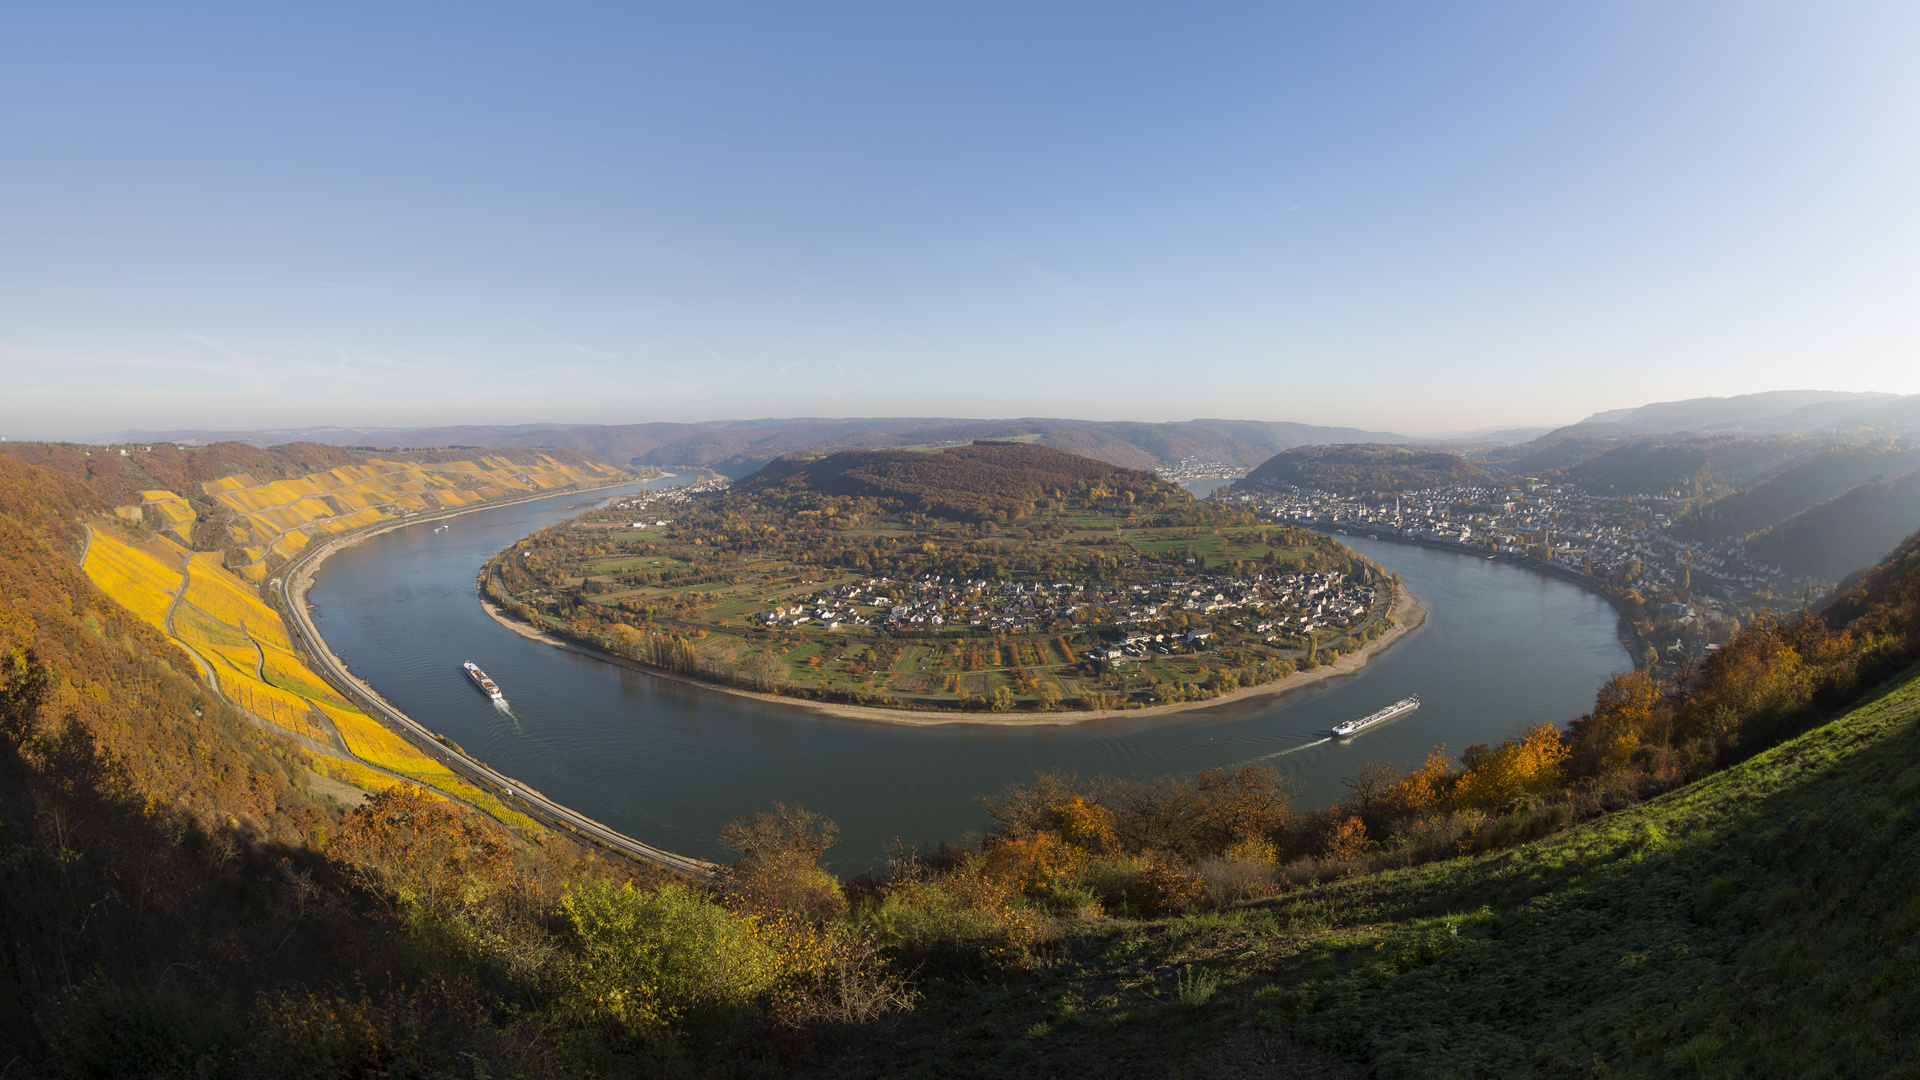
[
  {"x": 1005, "y": 596},
  {"x": 243, "y": 643}
]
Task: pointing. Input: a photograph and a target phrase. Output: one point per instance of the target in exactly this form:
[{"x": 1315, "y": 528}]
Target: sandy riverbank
[{"x": 1406, "y": 614}]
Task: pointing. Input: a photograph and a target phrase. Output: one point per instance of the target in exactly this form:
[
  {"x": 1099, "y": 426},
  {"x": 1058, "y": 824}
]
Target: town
[{"x": 1683, "y": 598}]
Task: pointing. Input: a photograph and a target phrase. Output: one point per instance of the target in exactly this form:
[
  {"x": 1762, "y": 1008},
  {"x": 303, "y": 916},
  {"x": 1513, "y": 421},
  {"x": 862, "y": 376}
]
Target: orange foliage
[
  {"x": 1531, "y": 764},
  {"x": 414, "y": 848},
  {"x": 1347, "y": 839},
  {"x": 1606, "y": 738},
  {"x": 1033, "y": 865},
  {"x": 1083, "y": 824}
]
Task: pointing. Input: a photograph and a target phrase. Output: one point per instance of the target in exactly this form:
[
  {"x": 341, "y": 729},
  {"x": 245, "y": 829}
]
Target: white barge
[
  {"x": 480, "y": 680},
  {"x": 1398, "y": 708}
]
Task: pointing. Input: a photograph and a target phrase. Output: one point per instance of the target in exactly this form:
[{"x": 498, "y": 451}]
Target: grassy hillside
[
  {"x": 1759, "y": 922},
  {"x": 1806, "y": 484},
  {"x": 1829, "y": 541},
  {"x": 1363, "y": 467}
]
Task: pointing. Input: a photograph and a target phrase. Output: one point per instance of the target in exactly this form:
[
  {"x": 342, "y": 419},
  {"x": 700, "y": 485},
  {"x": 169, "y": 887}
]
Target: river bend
[{"x": 1503, "y": 647}]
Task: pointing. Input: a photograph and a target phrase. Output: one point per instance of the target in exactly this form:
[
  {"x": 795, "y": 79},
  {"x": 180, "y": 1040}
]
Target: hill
[
  {"x": 1829, "y": 541},
  {"x": 1715, "y": 878},
  {"x": 261, "y": 507},
  {"x": 1807, "y": 483},
  {"x": 1363, "y": 467},
  {"x": 965, "y": 483},
  {"x": 737, "y": 448},
  {"x": 992, "y": 577},
  {"x": 1691, "y": 466}
]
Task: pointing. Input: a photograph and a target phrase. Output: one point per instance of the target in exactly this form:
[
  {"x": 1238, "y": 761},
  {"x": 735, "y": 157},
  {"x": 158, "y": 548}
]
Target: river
[{"x": 1502, "y": 648}]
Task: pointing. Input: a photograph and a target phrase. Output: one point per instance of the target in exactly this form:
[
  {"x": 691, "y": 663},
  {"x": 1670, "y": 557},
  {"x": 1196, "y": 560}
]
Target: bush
[
  {"x": 113, "y": 1031},
  {"x": 1163, "y": 887},
  {"x": 960, "y": 917},
  {"x": 1232, "y": 881},
  {"x": 648, "y": 961}
]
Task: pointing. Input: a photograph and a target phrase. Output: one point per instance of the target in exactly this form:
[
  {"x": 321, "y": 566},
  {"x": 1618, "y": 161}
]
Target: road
[{"x": 523, "y": 798}]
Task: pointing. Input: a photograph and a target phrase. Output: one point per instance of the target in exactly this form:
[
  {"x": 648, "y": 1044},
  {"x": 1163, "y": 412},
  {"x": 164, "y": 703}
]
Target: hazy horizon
[{"x": 1404, "y": 218}]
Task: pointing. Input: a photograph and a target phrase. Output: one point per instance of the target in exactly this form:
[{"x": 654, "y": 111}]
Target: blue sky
[{"x": 1412, "y": 216}]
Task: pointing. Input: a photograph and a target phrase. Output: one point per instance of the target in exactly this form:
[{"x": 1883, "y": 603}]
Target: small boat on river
[
  {"x": 1398, "y": 708},
  {"x": 480, "y": 680}
]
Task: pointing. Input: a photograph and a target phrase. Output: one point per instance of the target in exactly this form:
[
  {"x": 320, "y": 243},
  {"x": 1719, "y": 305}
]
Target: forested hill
[
  {"x": 119, "y": 475},
  {"x": 1363, "y": 467},
  {"x": 966, "y": 483},
  {"x": 1805, "y": 484},
  {"x": 1828, "y": 541}
]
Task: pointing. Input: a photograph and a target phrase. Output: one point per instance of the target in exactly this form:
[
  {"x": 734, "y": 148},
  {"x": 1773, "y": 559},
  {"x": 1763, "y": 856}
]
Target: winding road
[{"x": 294, "y": 579}]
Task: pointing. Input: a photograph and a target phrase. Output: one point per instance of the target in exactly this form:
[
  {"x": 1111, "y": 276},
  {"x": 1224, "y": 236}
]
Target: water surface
[{"x": 1502, "y": 648}]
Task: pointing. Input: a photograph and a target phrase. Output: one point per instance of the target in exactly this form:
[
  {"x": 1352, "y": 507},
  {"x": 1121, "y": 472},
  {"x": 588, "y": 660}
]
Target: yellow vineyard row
[
  {"x": 281, "y": 517},
  {"x": 243, "y": 641}
]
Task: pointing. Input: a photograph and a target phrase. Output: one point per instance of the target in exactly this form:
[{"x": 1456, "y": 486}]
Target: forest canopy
[
  {"x": 1364, "y": 467},
  {"x": 966, "y": 483}
]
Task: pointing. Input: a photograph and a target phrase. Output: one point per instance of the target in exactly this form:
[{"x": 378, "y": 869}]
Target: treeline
[
  {"x": 1365, "y": 467},
  {"x": 967, "y": 483},
  {"x": 118, "y": 479}
]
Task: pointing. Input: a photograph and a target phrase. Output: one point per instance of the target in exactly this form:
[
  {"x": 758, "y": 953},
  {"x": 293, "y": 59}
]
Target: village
[{"x": 1177, "y": 615}]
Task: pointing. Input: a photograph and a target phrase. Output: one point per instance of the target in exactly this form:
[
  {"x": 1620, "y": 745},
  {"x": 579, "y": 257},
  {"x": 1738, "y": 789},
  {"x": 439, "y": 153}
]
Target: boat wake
[{"x": 1291, "y": 750}]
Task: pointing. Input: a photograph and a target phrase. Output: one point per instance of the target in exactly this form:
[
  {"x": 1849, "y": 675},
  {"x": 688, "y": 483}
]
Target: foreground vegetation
[{"x": 1711, "y": 877}]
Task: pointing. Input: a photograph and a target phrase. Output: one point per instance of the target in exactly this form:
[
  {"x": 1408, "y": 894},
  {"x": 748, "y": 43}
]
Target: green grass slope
[{"x": 1761, "y": 922}]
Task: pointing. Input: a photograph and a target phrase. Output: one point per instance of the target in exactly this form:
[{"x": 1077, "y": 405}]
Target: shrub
[
  {"x": 1231, "y": 881},
  {"x": 649, "y": 960},
  {"x": 1163, "y": 887},
  {"x": 113, "y": 1031}
]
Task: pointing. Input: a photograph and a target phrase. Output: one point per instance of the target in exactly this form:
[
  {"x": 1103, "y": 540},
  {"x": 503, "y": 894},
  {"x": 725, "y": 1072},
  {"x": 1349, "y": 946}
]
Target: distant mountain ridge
[
  {"x": 739, "y": 447},
  {"x": 1802, "y": 412}
]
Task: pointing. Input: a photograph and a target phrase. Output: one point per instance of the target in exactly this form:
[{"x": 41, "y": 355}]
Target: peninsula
[{"x": 1001, "y": 581}]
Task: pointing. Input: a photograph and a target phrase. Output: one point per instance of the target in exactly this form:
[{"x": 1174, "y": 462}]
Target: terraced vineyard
[
  {"x": 276, "y": 520},
  {"x": 242, "y": 647}
]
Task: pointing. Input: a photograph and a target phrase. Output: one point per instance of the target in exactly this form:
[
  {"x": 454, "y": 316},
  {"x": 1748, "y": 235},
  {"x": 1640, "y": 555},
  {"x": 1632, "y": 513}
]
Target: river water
[{"x": 1502, "y": 648}]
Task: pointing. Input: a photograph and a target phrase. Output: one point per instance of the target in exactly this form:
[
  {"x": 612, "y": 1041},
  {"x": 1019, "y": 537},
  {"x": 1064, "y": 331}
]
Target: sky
[{"x": 1409, "y": 216}]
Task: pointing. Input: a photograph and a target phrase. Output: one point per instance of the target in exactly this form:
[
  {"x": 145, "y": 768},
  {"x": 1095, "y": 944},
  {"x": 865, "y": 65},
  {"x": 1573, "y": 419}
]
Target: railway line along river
[{"x": 1502, "y": 648}]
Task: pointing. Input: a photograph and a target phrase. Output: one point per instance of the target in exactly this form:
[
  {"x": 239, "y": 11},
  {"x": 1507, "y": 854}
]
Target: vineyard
[{"x": 220, "y": 620}]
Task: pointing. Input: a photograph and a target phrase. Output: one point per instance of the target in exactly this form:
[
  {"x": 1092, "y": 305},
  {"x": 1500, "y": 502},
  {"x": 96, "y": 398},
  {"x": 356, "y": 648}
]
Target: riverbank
[
  {"x": 1405, "y": 613},
  {"x": 1628, "y": 636},
  {"x": 294, "y": 585}
]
